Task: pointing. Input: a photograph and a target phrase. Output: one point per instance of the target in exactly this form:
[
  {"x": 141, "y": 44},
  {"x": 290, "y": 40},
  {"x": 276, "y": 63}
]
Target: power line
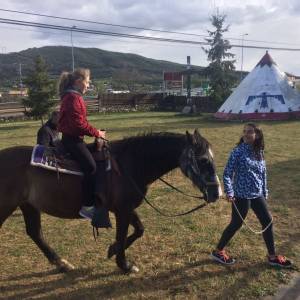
[
  {"x": 101, "y": 23},
  {"x": 92, "y": 31},
  {"x": 55, "y": 33},
  {"x": 82, "y": 36},
  {"x": 134, "y": 27},
  {"x": 126, "y": 35}
]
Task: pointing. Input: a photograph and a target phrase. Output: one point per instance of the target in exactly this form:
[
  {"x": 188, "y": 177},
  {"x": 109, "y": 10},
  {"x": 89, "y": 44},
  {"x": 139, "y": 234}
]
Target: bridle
[{"x": 191, "y": 165}]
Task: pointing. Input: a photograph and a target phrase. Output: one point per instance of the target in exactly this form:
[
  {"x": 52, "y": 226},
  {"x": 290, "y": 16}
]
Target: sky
[{"x": 272, "y": 23}]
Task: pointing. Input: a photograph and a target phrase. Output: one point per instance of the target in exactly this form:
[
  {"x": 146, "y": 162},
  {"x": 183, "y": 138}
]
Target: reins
[
  {"x": 157, "y": 209},
  {"x": 175, "y": 215},
  {"x": 179, "y": 191}
]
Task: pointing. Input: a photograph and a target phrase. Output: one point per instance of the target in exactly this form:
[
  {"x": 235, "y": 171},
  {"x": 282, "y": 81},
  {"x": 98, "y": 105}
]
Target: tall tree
[
  {"x": 221, "y": 68},
  {"x": 41, "y": 90}
]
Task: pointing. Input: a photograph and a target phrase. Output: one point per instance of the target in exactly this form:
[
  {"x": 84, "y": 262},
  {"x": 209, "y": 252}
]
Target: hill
[{"x": 103, "y": 64}]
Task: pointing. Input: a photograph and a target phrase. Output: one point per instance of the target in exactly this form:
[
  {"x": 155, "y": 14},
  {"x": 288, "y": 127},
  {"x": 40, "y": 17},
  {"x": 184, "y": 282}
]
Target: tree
[
  {"x": 221, "y": 69},
  {"x": 100, "y": 86},
  {"x": 41, "y": 90}
]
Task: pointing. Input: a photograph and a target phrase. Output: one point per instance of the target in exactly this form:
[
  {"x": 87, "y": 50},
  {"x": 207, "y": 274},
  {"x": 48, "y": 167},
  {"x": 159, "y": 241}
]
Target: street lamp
[
  {"x": 73, "y": 65},
  {"x": 242, "y": 57}
]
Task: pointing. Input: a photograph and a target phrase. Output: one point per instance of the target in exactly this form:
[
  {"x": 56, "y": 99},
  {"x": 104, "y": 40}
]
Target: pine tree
[
  {"x": 221, "y": 69},
  {"x": 41, "y": 91}
]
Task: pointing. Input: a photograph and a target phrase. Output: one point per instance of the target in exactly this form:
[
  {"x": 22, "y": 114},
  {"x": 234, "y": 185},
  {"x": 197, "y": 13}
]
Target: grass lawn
[{"x": 173, "y": 254}]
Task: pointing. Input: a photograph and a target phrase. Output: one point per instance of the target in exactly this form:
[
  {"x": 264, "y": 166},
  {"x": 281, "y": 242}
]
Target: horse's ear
[
  {"x": 196, "y": 132},
  {"x": 189, "y": 137},
  {"x": 197, "y": 136}
]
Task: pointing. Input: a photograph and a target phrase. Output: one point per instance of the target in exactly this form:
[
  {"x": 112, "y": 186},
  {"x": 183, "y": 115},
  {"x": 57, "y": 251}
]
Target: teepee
[{"x": 265, "y": 93}]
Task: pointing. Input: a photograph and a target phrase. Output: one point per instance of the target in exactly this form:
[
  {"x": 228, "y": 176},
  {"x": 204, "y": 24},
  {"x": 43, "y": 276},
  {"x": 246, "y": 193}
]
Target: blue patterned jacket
[{"x": 244, "y": 176}]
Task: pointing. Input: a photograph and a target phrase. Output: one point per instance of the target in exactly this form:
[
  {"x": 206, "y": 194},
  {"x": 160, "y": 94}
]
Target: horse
[{"x": 141, "y": 160}]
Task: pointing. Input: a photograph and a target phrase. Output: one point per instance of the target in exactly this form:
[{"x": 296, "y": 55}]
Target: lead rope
[{"x": 248, "y": 226}]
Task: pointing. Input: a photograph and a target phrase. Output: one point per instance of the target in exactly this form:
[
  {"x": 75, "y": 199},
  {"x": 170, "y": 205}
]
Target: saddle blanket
[{"x": 47, "y": 158}]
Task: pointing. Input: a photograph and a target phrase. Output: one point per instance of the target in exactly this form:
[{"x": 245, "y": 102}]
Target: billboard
[{"x": 173, "y": 80}]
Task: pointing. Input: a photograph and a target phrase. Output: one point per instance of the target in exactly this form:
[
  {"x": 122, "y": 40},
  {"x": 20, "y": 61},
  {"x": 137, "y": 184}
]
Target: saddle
[{"x": 59, "y": 160}]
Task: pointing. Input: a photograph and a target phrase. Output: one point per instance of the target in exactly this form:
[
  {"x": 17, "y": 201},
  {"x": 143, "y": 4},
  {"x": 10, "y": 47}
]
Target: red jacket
[{"x": 72, "y": 120}]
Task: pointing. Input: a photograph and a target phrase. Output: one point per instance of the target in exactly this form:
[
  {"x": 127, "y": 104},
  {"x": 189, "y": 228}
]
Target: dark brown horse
[{"x": 141, "y": 159}]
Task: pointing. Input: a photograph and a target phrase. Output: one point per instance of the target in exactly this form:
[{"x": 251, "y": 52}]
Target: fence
[
  {"x": 94, "y": 104},
  {"x": 177, "y": 103},
  {"x": 119, "y": 102}
]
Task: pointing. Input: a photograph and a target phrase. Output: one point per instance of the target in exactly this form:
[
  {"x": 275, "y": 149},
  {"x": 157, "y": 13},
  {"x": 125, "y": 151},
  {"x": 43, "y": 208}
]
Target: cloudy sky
[{"x": 263, "y": 23}]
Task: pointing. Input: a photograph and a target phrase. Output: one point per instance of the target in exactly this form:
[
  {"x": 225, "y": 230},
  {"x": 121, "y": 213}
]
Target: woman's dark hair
[
  {"x": 67, "y": 79},
  {"x": 259, "y": 143}
]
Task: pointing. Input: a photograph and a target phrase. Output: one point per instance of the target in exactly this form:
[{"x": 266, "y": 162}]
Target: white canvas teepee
[{"x": 265, "y": 93}]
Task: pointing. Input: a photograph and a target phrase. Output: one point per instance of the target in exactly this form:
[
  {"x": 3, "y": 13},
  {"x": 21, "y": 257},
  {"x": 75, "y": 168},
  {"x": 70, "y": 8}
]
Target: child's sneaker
[
  {"x": 221, "y": 257},
  {"x": 280, "y": 261}
]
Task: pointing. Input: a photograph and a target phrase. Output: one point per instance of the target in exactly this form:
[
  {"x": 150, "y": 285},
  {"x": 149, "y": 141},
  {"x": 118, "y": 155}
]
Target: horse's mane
[
  {"x": 151, "y": 143},
  {"x": 148, "y": 140}
]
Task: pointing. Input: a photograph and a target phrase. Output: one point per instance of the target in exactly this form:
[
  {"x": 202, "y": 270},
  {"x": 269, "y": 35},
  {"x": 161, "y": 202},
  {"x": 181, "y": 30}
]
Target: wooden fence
[
  {"x": 119, "y": 102},
  {"x": 94, "y": 104}
]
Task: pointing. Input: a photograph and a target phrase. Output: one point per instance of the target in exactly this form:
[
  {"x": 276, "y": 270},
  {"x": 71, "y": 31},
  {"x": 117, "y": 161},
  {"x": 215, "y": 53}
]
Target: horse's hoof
[
  {"x": 111, "y": 251},
  {"x": 128, "y": 268},
  {"x": 64, "y": 266}
]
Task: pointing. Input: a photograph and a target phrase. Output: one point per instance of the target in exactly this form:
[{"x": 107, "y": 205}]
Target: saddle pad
[{"x": 44, "y": 157}]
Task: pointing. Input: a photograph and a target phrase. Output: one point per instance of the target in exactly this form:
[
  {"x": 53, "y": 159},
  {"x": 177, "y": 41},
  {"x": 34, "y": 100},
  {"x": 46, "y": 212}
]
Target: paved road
[{"x": 290, "y": 292}]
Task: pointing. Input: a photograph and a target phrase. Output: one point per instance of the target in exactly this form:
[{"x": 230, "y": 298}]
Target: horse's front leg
[
  {"x": 138, "y": 232},
  {"x": 122, "y": 221}
]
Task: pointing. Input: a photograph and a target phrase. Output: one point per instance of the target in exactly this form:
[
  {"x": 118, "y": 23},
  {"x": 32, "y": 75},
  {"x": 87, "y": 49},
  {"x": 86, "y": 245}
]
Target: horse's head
[{"x": 197, "y": 163}]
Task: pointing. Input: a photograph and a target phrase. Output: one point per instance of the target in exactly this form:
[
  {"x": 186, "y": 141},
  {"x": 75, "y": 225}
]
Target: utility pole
[
  {"x": 20, "y": 79},
  {"x": 188, "y": 83},
  {"x": 242, "y": 56},
  {"x": 73, "y": 64},
  {"x": 189, "y": 108}
]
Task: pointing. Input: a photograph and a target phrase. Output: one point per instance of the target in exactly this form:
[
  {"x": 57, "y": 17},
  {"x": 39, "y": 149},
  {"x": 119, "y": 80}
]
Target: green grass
[{"x": 173, "y": 254}]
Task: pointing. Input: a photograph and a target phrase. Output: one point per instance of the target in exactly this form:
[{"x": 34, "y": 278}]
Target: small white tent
[{"x": 265, "y": 93}]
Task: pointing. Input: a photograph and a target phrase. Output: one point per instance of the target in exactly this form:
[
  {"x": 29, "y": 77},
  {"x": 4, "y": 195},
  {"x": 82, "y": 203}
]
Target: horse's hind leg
[
  {"x": 138, "y": 232},
  {"x": 32, "y": 218}
]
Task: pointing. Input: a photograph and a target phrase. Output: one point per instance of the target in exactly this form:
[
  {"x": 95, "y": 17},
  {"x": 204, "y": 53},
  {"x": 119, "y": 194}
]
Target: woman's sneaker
[
  {"x": 280, "y": 261},
  {"x": 221, "y": 257}
]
